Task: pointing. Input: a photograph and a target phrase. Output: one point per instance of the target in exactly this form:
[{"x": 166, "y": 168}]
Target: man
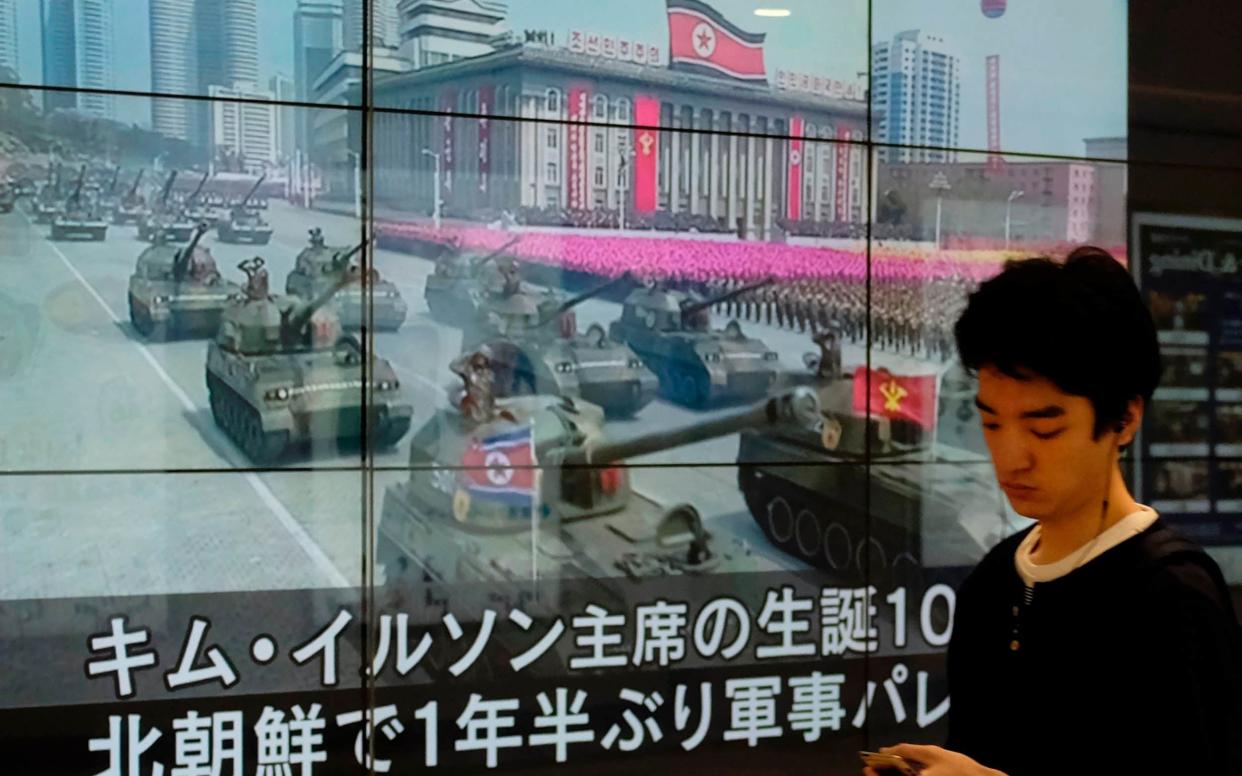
[{"x": 1098, "y": 640}]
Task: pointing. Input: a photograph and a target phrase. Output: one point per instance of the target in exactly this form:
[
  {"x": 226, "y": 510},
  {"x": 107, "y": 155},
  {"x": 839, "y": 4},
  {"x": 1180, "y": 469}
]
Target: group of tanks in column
[{"x": 860, "y": 495}]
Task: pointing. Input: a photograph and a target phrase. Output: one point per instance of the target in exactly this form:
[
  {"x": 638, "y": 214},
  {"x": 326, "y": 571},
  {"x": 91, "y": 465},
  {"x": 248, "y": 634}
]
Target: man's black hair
[{"x": 1081, "y": 324}]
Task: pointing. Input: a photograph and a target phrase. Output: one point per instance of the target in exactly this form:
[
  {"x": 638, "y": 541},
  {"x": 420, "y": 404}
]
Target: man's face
[{"x": 1041, "y": 446}]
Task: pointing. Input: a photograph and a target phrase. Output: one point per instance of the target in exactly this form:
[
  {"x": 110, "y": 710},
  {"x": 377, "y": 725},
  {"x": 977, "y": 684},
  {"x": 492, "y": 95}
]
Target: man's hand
[{"x": 935, "y": 761}]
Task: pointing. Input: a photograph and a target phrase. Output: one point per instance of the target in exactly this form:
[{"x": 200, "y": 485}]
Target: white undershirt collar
[{"x": 1131, "y": 525}]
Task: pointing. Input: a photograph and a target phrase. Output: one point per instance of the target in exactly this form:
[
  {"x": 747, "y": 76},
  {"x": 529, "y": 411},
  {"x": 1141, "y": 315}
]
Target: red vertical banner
[
  {"x": 993, "y": 86},
  {"x": 487, "y": 96},
  {"x": 448, "y": 103},
  {"x": 576, "y": 145},
  {"x": 646, "y": 152},
  {"x": 793, "y": 194},
  {"x": 842, "y": 184}
]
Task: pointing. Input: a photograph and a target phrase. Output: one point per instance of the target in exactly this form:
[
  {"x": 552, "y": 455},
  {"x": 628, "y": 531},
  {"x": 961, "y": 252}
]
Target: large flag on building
[
  {"x": 501, "y": 468},
  {"x": 908, "y": 397},
  {"x": 646, "y": 152},
  {"x": 701, "y": 40}
]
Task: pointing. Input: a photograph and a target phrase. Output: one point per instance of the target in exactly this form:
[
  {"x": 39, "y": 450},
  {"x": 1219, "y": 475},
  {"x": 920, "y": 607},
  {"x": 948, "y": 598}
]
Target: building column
[
  {"x": 695, "y": 172},
  {"x": 713, "y": 177},
  {"x": 674, "y": 166},
  {"x": 733, "y": 182},
  {"x": 768, "y": 172}
]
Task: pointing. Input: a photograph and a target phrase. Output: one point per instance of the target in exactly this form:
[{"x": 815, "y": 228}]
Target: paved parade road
[{"x": 160, "y": 505}]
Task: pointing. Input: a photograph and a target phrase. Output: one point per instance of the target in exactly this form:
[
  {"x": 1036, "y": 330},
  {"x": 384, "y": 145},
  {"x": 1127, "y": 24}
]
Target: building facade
[
  {"x": 433, "y": 32},
  {"x": 916, "y": 92},
  {"x": 244, "y": 131},
  {"x": 77, "y": 53},
  {"x": 173, "y": 69},
  {"x": 384, "y": 22},
  {"x": 10, "y": 55},
  {"x": 317, "y": 37},
  {"x": 282, "y": 89},
  {"x": 731, "y": 175},
  {"x": 1052, "y": 201}
]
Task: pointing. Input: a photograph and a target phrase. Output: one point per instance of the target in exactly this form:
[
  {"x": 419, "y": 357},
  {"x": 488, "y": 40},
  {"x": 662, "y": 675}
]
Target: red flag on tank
[
  {"x": 908, "y": 397},
  {"x": 501, "y": 468},
  {"x": 701, "y": 40}
]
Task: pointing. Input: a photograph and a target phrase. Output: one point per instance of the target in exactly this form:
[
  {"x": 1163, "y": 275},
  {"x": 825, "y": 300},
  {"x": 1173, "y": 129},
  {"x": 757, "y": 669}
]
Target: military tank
[
  {"x": 132, "y": 204},
  {"x": 282, "y": 373},
  {"x": 316, "y": 268},
  {"x": 471, "y": 502},
  {"x": 176, "y": 291},
  {"x": 80, "y": 217},
  {"x": 244, "y": 223},
  {"x": 454, "y": 288},
  {"x": 536, "y": 348},
  {"x": 873, "y": 497},
  {"x": 165, "y": 218},
  {"x": 697, "y": 366}
]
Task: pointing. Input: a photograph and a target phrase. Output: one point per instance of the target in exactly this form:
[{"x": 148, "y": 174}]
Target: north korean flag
[
  {"x": 908, "y": 397},
  {"x": 501, "y": 468},
  {"x": 702, "y": 41}
]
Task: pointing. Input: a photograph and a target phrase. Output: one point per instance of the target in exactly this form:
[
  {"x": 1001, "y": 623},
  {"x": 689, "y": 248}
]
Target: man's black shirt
[{"x": 1128, "y": 664}]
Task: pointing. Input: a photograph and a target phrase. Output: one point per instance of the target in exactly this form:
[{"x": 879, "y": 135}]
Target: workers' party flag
[
  {"x": 701, "y": 40},
  {"x": 908, "y": 397},
  {"x": 501, "y": 468}
]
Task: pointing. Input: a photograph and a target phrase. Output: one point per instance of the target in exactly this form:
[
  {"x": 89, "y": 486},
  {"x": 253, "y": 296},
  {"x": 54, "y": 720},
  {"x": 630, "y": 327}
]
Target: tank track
[{"x": 242, "y": 424}]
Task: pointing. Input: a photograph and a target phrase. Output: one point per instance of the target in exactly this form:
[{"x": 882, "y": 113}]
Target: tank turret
[
  {"x": 448, "y": 522},
  {"x": 455, "y": 289},
  {"x": 697, "y": 366},
  {"x": 129, "y": 209},
  {"x": 163, "y": 218},
  {"x": 316, "y": 266},
  {"x": 176, "y": 290}
]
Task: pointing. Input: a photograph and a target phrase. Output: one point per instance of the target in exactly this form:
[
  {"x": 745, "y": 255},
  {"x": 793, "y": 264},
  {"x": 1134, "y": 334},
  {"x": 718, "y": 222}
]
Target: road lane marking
[{"x": 278, "y": 509}]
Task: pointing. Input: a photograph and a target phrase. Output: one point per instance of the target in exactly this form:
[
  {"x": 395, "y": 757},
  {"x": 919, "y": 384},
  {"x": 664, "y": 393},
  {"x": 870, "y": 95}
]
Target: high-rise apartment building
[
  {"x": 282, "y": 89},
  {"x": 77, "y": 53},
  {"x": 243, "y": 130},
  {"x": 318, "y": 35},
  {"x": 173, "y": 69},
  {"x": 384, "y": 23},
  {"x": 9, "y": 54},
  {"x": 916, "y": 92}
]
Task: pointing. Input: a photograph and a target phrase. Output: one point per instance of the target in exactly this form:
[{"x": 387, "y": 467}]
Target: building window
[
  {"x": 553, "y": 101},
  {"x": 599, "y": 108},
  {"x": 599, "y": 177},
  {"x": 623, "y": 110},
  {"x": 552, "y": 174},
  {"x": 552, "y": 138},
  {"x": 599, "y": 142}
]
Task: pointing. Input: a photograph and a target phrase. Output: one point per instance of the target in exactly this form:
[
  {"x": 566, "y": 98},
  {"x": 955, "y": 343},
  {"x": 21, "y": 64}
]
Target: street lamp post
[
  {"x": 940, "y": 183},
  {"x": 1008, "y": 207},
  {"x": 357, "y": 157},
  {"x": 435, "y": 208}
]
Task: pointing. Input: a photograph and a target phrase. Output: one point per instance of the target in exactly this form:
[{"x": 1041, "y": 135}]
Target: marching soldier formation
[{"x": 910, "y": 317}]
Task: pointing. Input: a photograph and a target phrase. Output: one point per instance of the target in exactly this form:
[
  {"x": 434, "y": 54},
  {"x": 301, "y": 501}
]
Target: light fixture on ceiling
[{"x": 775, "y": 13}]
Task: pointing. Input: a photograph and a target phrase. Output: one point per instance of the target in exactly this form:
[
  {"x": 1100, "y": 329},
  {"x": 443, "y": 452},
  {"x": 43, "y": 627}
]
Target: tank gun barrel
[
  {"x": 246, "y": 200},
  {"x": 186, "y": 251},
  {"x": 297, "y": 320},
  {"x": 342, "y": 258},
  {"x": 478, "y": 263},
  {"x": 168, "y": 184},
  {"x": 116, "y": 176},
  {"x": 194, "y": 195},
  {"x": 133, "y": 189},
  {"x": 691, "y": 309},
  {"x": 569, "y": 304},
  {"x": 799, "y": 407},
  {"x": 77, "y": 186}
]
